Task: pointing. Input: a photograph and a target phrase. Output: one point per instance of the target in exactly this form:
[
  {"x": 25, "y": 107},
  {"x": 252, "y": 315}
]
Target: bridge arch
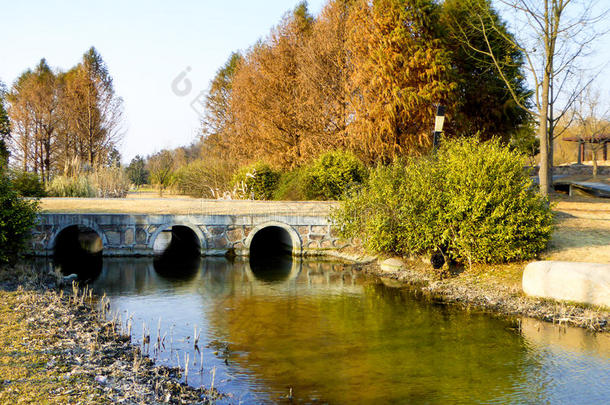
[
  {"x": 52, "y": 244},
  {"x": 158, "y": 246},
  {"x": 275, "y": 231}
]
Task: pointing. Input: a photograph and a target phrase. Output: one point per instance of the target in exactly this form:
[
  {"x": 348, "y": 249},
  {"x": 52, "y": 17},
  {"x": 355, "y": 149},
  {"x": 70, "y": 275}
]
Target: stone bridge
[{"x": 215, "y": 228}]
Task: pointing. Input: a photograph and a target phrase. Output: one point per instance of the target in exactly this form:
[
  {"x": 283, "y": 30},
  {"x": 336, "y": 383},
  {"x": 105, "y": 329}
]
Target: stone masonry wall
[{"x": 132, "y": 235}]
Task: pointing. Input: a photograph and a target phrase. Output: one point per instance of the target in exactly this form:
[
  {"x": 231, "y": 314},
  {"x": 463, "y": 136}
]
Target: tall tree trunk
[{"x": 543, "y": 174}]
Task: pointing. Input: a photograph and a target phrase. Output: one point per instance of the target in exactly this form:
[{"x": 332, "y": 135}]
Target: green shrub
[
  {"x": 27, "y": 184},
  {"x": 110, "y": 182},
  {"x": 17, "y": 217},
  {"x": 291, "y": 186},
  {"x": 258, "y": 181},
  {"x": 209, "y": 178},
  {"x": 332, "y": 174},
  {"x": 71, "y": 186},
  {"x": 472, "y": 201}
]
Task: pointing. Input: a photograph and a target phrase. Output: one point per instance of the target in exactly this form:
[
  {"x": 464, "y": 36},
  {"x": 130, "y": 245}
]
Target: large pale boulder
[
  {"x": 587, "y": 283},
  {"x": 392, "y": 264}
]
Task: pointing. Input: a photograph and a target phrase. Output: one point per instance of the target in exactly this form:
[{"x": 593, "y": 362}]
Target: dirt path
[{"x": 583, "y": 231}]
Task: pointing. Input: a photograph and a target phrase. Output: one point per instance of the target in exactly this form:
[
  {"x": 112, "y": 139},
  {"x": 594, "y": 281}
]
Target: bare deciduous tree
[
  {"x": 593, "y": 123},
  {"x": 554, "y": 36},
  {"x": 161, "y": 167},
  {"x": 35, "y": 113},
  {"x": 93, "y": 112}
]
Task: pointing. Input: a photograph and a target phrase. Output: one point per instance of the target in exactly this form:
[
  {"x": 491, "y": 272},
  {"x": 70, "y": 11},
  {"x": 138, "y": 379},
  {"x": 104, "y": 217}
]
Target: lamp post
[{"x": 438, "y": 125}]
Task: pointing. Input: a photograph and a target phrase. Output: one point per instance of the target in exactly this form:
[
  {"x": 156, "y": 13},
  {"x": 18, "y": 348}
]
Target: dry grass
[
  {"x": 55, "y": 349},
  {"x": 27, "y": 350},
  {"x": 182, "y": 206}
]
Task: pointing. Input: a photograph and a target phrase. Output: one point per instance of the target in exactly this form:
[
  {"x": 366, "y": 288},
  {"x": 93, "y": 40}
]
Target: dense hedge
[
  {"x": 17, "y": 217},
  {"x": 472, "y": 201}
]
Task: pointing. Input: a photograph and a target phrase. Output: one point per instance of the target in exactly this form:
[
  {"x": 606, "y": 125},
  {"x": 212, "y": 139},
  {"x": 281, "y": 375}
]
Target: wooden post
[{"x": 580, "y": 151}]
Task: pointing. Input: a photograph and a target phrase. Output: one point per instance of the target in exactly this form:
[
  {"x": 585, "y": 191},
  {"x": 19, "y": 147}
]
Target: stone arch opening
[
  {"x": 77, "y": 249},
  {"x": 271, "y": 241},
  {"x": 177, "y": 252},
  {"x": 271, "y": 251},
  {"x": 177, "y": 240}
]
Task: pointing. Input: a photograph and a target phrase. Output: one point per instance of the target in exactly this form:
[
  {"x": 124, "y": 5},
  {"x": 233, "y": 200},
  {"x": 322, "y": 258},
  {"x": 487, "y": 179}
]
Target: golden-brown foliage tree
[
  {"x": 34, "y": 110},
  {"x": 62, "y": 120},
  {"x": 266, "y": 96},
  {"x": 400, "y": 71},
  {"x": 92, "y": 111},
  {"x": 324, "y": 71},
  {"x": 365, "y": 76}
]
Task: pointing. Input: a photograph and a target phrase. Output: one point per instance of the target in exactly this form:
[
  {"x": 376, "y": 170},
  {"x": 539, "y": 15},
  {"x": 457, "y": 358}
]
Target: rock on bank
[{"x": 587, "y": 283}]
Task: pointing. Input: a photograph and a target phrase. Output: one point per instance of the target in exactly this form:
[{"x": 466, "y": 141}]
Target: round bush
[
  {"x": 258, "y": 181},
  {"x": 332, "y": 175},
  {"x": 472, "y": 201}
]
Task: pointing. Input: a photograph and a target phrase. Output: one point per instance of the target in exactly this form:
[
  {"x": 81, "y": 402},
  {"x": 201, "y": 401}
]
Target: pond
[{"x": 316, "y": 331}]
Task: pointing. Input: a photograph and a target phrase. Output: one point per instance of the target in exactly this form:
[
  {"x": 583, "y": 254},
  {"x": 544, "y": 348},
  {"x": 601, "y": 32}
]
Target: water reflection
[
  {"x": 273, "y": 268},
  {"x": 335, "y": 336},
  {"x": 169, "y": 267}
]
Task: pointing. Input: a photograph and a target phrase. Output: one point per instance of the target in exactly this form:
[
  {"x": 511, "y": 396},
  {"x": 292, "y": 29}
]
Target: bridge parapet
[{"x": 136, "y": 234}]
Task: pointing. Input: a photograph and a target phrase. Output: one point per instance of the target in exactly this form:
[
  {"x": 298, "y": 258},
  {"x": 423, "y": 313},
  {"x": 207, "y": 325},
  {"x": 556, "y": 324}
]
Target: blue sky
[{"x": 146, "y": 45}]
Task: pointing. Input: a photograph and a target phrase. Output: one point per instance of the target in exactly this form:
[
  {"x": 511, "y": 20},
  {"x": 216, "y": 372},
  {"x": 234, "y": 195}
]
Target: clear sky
[{"x": 146, "y": 45}]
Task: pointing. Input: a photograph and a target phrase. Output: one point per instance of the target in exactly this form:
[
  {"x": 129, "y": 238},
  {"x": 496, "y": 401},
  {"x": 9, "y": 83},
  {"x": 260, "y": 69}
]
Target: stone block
[
  {"x": 216, "y": 230},
  {"x": 587, "y": 283},
  {"x": 129, "y": 236},
  {"x": 235, "y": 234},
  {"x": 220, "y": 242},
  {"x": 303, "y": 230},
  {"x": 316, "y": 237},
  {"x": 113, "y": 238},
  {"x": 141, "y": 236},
  {"x": 326, "y": 244},
  {"x": 38, "y": 237},
  {"x": 313, "y": 245},
  {"x": 320, "y": 230}
]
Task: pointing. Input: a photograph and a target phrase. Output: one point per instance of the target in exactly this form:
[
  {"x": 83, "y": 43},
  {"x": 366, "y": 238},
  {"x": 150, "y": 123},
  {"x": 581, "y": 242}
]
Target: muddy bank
[
  {"x": 496, "y": 289},
  {"x": 56, "y": 348}
]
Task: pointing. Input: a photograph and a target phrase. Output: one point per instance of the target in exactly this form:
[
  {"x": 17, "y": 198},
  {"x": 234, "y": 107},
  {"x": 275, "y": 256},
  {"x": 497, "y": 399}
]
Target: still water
[{"x": 329, "y": 334}]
